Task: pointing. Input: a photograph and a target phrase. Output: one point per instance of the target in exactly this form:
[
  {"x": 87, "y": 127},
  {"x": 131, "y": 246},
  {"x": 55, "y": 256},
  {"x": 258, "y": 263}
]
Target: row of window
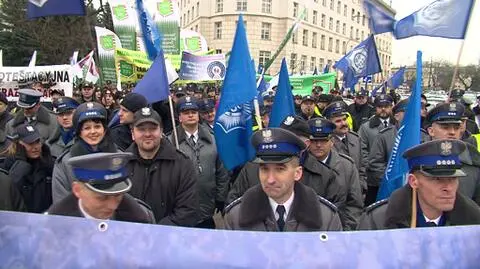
[
  {"x": 265, "y": 32},
  {"x": 305, "y": 40},
  {"x": 355, "y": 15},
  {"x": 302, "y": 66},
  {"x": 189, "y": 16},
  {"x": 242, "y": 6}
]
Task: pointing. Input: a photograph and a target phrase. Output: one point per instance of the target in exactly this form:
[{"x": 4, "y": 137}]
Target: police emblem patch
[
  {"x": 146, "y": 111},
  {"x": 116, "y": 163},
  {"x": 358, "y": 60},
  {"x": 446, "y": 148},
  {"x": 434, "y": 17},
  {"x": 289, "y": 120},
  {"x": 453, "y": 107},
  {"x": 38, "y": 3},
  {"x": 267, "y": 136},
  {"x": 89, "y": 105},
  {"x": 235, "y": 118},
  {"x": 30, "y": 129}
]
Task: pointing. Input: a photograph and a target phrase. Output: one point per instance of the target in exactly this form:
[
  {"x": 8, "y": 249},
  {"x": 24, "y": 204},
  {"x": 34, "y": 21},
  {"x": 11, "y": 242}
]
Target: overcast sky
[{"x": 404, "y": 51}]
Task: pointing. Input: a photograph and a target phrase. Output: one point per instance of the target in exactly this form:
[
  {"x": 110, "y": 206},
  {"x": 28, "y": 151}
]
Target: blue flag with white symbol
[
  {"x": 233, "y": 121},
  {"x": 397, "y": 78},
  {"x": 380, "y": 20},
  {"x": 360, "y": 62},
  {"x": 408, "y": 135},
  {"x": 45, "y": 8},
  {"x": 283, "y": 105}
]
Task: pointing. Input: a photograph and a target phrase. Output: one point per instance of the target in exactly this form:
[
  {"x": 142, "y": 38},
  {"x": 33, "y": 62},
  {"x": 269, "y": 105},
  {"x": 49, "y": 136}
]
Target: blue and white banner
[
  {"x": 39, "y": 241},
  {"x": 208, "y": 67}
]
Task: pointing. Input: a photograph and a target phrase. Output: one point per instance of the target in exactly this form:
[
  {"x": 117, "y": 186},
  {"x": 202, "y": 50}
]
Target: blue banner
[
  {"x": 283, "y": 105},
  {"x": 39, "y": 241},
  {"x": 208, "y": 67},
  {"x": 44, "y": 8}
]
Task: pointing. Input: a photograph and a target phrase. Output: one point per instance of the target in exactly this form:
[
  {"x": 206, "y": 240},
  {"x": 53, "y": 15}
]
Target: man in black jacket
[{"x": 360, "y": 110}]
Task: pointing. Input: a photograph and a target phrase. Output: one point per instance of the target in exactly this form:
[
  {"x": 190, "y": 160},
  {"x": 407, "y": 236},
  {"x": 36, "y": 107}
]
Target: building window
[
  {"x": 218, "y": 30},
  {"x": 198, "y": 8},
  {"x": 241, "y": 5},
  {"x": 337, "y": 27},
  {"x": 322, "y": 42},
  {"x": 303, "y": 63},
  {"x": 305, "y": 17},
  {"x": 339, "y": 7},
  {"x": 345, "y": 10},
  {"x": 193, "y": 13},
  {"x": 295, "y": 9},
  {"x": 357, "y": 34},
  {"x": 351, "y": 32},
  {"x": 294, "y": 38},
  {"x": 324, "y": 3},
  {"x": 358, "y": 17},
  {"x": 196, "y": 28},
  {"x": 188, "y": 16},
  {"x": 363, "y": 35},
  {"x": 363, "y": 20},
  {"x": 332, "y": 4},
  {"x": 344, "y": 29},
  {"x": 305, "y": 38},
  {"x": 293, "y": 61},
  {"x": 344, "y": 47},
  {"x": 264, "y": 57},
  {"x": 266, "y": 29},
  {"x": 218, "y": 51},
  {"x": 330, "y": 23},
  {"x": 337, "y": 46},
  {"x": 330, "y": 44},
  {"x": 313, "y": 63},
  {"x": 314, "y": 40},
  {"x": 314, "y": 17},
  {"x": 353, "y": 14},
  {"x": 267, "y": 6},
  {"x": 219, "y": 6},
  {"x": 322, "y": 22},
  {"x": 321, "y": 63}
]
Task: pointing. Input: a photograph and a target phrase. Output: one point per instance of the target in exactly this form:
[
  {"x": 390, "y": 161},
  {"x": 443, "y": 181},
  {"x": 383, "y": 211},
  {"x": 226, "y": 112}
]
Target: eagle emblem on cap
[
  {"x": 146, "y": 111},
  {"x": 453, "y": 106},
  {"x": 60, "y": 100},
  {"x": 267, "y": 136},
  {"x": 188, "y": 99},
  {"x": 338, "y": 105},
  {"x": 318, "y": 122},
  {"x": 289, "y": 120},
  {"x": 116, "y": 163},
  {"x": 446, "y": 148},
  {"x": 30, "y": 129},
  {"x": 89, "y": 105}
]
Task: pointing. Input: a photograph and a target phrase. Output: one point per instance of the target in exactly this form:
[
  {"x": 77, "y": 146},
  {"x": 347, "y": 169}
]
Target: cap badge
[
  {"x": 30, "y": 129},
  {"x": 453, "y": 107},
  {"x": 146, "y": 111},
  {"x": 267, "y": 136},
  {"x": 89, "y": 105},
  {"x": 338, "y": 105},
  {"x": 116, "y": 163},
  {"x": 446, "y": 148},
  {"x": 289, "y": 120},
  {"x": 318, "y": 122},
  {"x": 188, "y": 99},
  {"x": 60, "y": 100}
]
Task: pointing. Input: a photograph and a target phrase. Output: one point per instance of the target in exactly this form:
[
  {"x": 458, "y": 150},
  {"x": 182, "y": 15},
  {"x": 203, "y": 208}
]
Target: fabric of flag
[
  {"x": 233, "y": 120},
  {"x": 262, "y": 86},
  {"x": 283, "y": 105},
  {"x": 86, "y": 69},
  {"x": 154, "y": 84},
  {"x": 379, "y": 89},
  {"x": 326, "y": 69},
  {"x": 33, "y": 60},
  {"x": 397, "y": 78},
  {"x": 151, "y": 36},
  {"x": 361, "y": 61},
  {"x": 45, "y": 8},
  {"x": 315, "y": 71},
  {"x": 380, "y": 20},
  {"x": 408, "y": 135}
]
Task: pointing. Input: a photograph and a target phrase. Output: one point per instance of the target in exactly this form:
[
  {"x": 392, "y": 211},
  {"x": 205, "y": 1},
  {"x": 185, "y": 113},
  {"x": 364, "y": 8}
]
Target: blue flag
[
  {"x": 397, "y": 78},
  {"x": 262, "y": 86},
  {"x": 380, "y": 21},
  {"x": 233, "y": 121},
  {"x": 260, "y": 69},
  {"x": 283, "y": 105},
  {"x": 326, "y": 69},
  {"x": 360, "y": 62},
  {"x": 42, "y": 8},
  {"x": 408, "y": 135},
  {"x": 380, "y": 88},
  {"x": 151, "y": 36},
  {"x": 154, "y": 85}
]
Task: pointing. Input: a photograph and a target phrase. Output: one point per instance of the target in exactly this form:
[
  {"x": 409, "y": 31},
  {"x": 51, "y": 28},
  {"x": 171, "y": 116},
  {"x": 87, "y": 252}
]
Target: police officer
[
  {"x": 32, "y": 113},
  {"x": 87, "y": 93},
  {"x": 207, "y": 112},
  {"x": 360, "y": 110},
  {"x": 99, "y": 190},
  {"x": 433, "y": 180},
  {"x": 64, "y": 108},
  {"x": 344, "y": 140},
  {"x": 308, "y": 108},
  {"x": 279, "y": 202},
  {"x": 323, "y": 101},
  {"x": 321, "y": 146}
]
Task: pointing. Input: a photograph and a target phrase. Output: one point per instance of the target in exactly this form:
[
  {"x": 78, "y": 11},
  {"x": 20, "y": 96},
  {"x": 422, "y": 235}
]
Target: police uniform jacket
[
  {"x": 318, "y": 176},
  {"x": 360, "y": 114},
  {"x": 212, "y": 177},
  {"x": 121, "y": 136},
  {"x": 5, "y": 117},
  {"x": 56, "y": 144},
  {"x": 128, "y": 210},
  {"x": 309, "y": 212},
  {"x": 396, "y": 212},
  {"x": 470, "y": 184},
  {"x": 167, "y": 184},
  {"x": 352, "y": 147},
  {"x": 62, "y": 177},
  {"x": 45, "y": 123},
  {"x": 10, "y": 198}
]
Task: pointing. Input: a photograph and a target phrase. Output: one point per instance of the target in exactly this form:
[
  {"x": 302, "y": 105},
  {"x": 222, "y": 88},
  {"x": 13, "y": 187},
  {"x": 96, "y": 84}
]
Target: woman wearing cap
[{"x": 90, "y": 123}]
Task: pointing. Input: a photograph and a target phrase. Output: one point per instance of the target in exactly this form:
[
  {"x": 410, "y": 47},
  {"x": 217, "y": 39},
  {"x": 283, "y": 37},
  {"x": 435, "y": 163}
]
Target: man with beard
[
  {"x": 298, "y": 101},
  {"x": 433, "y": 182},
  {"x": 360, "y": 110},
  {"x": 344, "y": 140},
  {"x": 161, "y": 176},
  {"x": 308, "y": 108},
  {"x": 207, "y": 111},
  {"x": 64, "y": 108}
]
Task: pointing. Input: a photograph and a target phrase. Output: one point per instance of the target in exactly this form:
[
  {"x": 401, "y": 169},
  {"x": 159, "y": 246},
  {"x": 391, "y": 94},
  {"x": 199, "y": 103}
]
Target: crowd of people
[{"x": 105, "y": 154}]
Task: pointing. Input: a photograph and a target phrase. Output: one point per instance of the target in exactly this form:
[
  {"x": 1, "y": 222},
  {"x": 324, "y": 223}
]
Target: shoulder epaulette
[
  {"x": 375, "y": 205},
  {"x": 354, "y": 133},
  {"x": 386, "y": 129},
  {"x": 232, "y": 204},
  {"x": 60, "y": 157},
  {"x": 3, "y": 171},
  {"x": 327, "y": 203},
  {"x": 347, "y": 157}
]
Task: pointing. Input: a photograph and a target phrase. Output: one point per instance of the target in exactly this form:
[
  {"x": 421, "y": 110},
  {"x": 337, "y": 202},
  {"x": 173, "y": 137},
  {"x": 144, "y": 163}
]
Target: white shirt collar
[
  {"x": 84, "y": 213},
  {"x": 287, "y": 206},
  {"x": 195, "y": 135},
  {"x": 341, "y": 137},
  {"x": 387, "y": 120},
  {"x": 326, "y": 159},
  {"x": 437, "y": 220}
]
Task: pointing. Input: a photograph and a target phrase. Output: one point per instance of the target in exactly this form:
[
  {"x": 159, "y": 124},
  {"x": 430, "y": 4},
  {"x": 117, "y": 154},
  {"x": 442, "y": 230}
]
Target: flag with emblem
[
  {"x": 408, "y": 135},
  {"x": 45, "y": 8},
  {"x": 283, "y": 105},
  {"x": 233, "y": 121},
  {"x": 362, "y": 61}
]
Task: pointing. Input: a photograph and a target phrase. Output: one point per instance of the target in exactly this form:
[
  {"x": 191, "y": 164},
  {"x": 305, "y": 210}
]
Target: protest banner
[
  {"x": 125, "y": 22},
  {"x": 210, "y": 67},
  {"x": 58, "y": 77},
  {"x": 107, "y": 41},
  {"x": 303, "y": 85},
  {"x": 132, "y": 64}
]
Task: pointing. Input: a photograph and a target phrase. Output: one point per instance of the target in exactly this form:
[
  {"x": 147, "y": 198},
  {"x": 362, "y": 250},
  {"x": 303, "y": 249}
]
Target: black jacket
[
  {"x": 121, "y": 136},
  {"x": 360, "y": 114},
  {"x": 10, "y": 198},
  {"x": 167, "y": 184},
  {"x": 128, "y": 209}
]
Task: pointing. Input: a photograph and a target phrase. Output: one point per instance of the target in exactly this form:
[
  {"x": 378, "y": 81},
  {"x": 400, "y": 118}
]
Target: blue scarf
[{"x": 67, "y": 135}]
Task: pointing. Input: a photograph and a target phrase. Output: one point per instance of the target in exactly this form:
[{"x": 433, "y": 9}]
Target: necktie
[
  {"x": 281, "y": 215},
  {"x": 431, "y": 224},
  {"x": 385, "y": 123},
  {"x": 192, "y": 140}
]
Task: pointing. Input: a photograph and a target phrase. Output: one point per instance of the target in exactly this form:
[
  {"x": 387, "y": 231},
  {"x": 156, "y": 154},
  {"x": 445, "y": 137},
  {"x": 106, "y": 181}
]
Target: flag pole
[{"x": 172, "y": 115}]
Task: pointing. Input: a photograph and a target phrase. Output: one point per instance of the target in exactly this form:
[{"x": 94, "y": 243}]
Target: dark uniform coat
[
  {"x": 352, "y": 148},
  {"x": 167, "y": 184},
  {"x": 129, "y": 209},
  {"x": 396, "y": 212},
  {"x": 10, "y": 198},
  {"x": 309, "y": 212},
  {"x": 56, "y": 144},
  {"x": 45, "y": 123},
  {"x": 360, "y": 114},
  {"x": 121, "y": 136}
]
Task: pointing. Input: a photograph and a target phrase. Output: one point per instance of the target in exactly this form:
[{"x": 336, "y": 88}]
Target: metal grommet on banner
[
  {"x": 102, "y": 226},
  {"x": 323, "y": 237}
]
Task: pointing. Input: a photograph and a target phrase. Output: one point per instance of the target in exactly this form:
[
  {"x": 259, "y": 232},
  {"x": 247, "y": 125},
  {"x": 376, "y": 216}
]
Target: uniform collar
[
  {"x": 287, "y": 205},
  {"x": 84, "y": 213}
]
